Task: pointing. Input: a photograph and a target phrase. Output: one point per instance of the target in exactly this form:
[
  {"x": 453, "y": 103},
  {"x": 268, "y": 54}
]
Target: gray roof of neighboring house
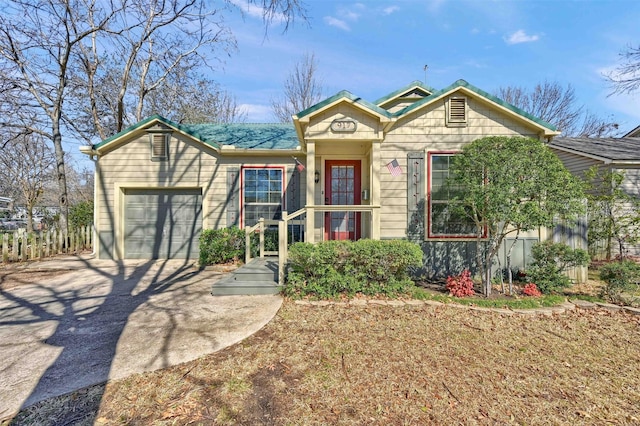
[{"x": 615, "y": 149}]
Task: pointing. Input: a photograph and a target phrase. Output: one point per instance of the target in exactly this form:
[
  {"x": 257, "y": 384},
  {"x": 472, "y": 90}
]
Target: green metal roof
[
  {"x": 344, "y": 94},
  {"x": 239, "y": 135},
  {"x": 480, "y": 92},
  {"x": 247, "y": 135},
  {"x": 405, "y": 89}
]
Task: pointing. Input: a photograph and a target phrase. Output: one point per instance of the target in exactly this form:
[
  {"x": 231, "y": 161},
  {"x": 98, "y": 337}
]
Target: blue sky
[{"x": 372, "y": 48}]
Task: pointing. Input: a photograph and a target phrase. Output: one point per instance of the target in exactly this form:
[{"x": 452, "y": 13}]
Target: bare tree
[
  {"x": 27, "y": 164},
  {"x": 185, "y": 98},
  {"x": 37, "y": 40},
  {"x": 155, "y": 38},
  {"x": 558, "y": 105},
  {"x": 45, "y": 45},
  {"x": 626, "y": 77},
  {"x": 302, "y": 89}
]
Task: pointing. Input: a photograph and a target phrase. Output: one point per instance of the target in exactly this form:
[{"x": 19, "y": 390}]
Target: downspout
[{"x": 93, "y": 156}]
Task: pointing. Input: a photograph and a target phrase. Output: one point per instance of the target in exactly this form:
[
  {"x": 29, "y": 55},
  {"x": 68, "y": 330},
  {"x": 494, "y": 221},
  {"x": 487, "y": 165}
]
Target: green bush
[
  {"x": 221, "y": 245},
  {"x": 81, "y": 214},
  {"x": 331, "y": 268},
  {"x": 620, "y": 277},
  {"x": 550, "y": 260}
]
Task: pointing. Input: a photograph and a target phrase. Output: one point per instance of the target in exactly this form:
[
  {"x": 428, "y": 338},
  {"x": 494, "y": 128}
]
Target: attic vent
[
  {"x": 159, "y": 148},
  {"x": 457, "y": 112}
]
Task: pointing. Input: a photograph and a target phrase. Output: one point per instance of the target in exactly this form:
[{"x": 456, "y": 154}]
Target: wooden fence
[{"x": 19, "y": 246}]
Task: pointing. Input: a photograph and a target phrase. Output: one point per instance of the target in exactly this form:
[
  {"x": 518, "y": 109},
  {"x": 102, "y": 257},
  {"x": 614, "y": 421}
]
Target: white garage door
[{"x": 162, "y": 223}]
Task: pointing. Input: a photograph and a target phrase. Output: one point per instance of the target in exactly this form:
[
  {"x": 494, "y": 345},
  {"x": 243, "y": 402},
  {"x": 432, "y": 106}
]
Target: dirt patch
[
  {"x": 11, "y": 277},
  {"x": 407, "y": 365}
]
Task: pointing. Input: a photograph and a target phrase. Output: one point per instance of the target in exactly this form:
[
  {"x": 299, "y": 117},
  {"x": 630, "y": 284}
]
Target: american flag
[
  {"x": 394, "y": 168},
  {"x": 299, "y": 165}
]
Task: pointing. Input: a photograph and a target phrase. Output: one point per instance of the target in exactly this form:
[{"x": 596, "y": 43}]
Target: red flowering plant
[
  {"x": 460, "y": 285},
  {"x": 530, "y": 289}
]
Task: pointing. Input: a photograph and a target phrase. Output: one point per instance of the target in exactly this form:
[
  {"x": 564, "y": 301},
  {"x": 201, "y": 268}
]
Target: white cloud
[
  {"x": 257, "y": 113},
  {"x": 256, "y": 11},
  {"x": 389, "y": 10},
  {"x": 338, "y": 23},
  {"x": 521, "y": 37}
]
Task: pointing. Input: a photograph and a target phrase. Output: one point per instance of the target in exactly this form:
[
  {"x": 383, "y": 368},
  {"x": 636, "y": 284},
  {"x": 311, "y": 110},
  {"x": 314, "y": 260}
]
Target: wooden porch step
[{"x": 259, "y": 276}]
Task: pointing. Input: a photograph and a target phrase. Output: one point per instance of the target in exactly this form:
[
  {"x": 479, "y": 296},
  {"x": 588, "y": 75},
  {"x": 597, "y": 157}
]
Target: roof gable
[
  {"x": 462, "y": 85},
  {"x": 635, "y": 133},
  {"x": 343, "y": 96},
  {"x": 415, "y": 89}
]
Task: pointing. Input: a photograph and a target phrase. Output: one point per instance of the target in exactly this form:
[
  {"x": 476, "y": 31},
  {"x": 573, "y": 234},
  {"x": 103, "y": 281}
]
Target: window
[
  {"x": 457, "y": 111},
  {"x": 443, "y": 220},
  {"x": 262, "y": 194},
  {"x": 159, "y": 146}
]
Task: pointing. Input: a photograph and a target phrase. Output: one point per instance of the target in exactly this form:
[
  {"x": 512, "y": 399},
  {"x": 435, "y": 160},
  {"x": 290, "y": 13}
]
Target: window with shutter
[
  {"x": 159, "y": 146},
  {"x": 444, "y": 221},
  {"x": 457, "y": 111}
]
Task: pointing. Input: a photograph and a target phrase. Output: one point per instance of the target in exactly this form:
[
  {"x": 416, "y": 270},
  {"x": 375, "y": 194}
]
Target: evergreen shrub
[
  {"x": 332, "y": 268},
  {"x": 221, "y": 245}
]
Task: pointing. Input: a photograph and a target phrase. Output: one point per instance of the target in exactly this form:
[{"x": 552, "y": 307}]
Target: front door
[{"x": 342, "y": 187}]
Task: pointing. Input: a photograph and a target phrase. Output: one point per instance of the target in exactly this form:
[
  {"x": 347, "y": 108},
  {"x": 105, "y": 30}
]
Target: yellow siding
[
  {"x": 425, "y": 131},
  {"x": 190, "y": 165},
  {"x": 319, "y": 127}
]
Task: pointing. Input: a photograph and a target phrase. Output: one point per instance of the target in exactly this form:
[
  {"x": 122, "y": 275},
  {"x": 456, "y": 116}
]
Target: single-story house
[
  {"x": 608, "y": 154},
  {"x": 360, "y": 169}
]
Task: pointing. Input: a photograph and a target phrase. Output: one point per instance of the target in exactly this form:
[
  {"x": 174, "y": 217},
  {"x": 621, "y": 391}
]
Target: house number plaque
[{"x": 342, "y": 125}]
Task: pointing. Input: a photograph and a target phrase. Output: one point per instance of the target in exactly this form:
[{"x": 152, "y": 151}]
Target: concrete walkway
[{"x": 78, "y": 321}]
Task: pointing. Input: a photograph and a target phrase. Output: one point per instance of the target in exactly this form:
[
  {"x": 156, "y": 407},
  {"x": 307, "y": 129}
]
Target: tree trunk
[
  {"x": 510, "y": 275},
  {"x": 63, "y": 202}
]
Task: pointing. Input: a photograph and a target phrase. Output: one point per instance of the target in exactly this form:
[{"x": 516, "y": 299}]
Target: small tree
[
  {"x": 614, "y": 215},
  {"x": 510, "y": 185},
  {"x": 550, "y": 261}
]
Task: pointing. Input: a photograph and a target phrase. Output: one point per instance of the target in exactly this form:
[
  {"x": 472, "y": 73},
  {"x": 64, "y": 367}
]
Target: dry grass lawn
[{"x": 384, "y": 365}]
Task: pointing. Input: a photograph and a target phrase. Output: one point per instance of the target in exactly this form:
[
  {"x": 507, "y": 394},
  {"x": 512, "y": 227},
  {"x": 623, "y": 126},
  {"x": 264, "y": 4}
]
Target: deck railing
[{"x": 293, "y": 219}]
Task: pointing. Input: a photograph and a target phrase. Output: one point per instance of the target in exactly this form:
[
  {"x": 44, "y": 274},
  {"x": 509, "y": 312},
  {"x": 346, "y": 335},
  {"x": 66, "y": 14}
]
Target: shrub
[
  {"x": 332, "y": 268},
  {"x": 460, "y": 285},
  {"x": 530, "y": 289},
  {"x": 81, "y": 214},
  {"x": 550, "y": 260},
  {"x": 221, "y": 245},
  {"x": 620, "y": 277}
]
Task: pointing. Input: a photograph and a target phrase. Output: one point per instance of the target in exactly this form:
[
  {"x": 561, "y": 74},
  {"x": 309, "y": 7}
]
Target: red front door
[{"x": 342, "y": 186}]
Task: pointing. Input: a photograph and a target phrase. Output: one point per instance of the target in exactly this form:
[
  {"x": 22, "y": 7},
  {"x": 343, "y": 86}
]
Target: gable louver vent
[
  {"x": 457, "y": 111},
  {"x": 159, "y": 146}
]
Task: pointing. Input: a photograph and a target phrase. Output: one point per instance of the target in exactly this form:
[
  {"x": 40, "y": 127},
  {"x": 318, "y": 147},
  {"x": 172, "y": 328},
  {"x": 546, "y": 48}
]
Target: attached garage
[{"x": 162, "y": 223}]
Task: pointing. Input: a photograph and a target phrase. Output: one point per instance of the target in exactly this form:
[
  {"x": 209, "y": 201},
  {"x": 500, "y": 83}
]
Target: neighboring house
[
  {"x": 368, "y": 170},
  {"x": 6, "y": 204},
  {"x": 635, "y": 133},
  {"x": 608, "y": 154}
]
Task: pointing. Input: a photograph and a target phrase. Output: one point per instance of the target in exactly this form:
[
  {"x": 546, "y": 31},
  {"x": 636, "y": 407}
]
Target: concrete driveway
[{"x": 72, "y": 322}]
